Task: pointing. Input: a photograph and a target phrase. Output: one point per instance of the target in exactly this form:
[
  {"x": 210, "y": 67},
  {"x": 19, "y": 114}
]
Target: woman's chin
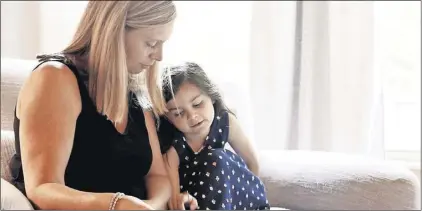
[{"x": 136, "y": 71}]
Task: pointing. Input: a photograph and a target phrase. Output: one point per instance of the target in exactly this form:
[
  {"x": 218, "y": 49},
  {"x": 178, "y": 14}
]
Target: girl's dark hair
[{"x": 172, "y": 78}]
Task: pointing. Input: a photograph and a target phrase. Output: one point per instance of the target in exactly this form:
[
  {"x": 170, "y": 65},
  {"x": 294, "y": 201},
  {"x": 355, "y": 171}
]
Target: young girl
[{"x": 197, "y": 161}]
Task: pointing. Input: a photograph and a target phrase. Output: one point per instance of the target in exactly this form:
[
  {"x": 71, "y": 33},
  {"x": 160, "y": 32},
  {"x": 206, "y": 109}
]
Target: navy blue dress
[{"x": 218, "y": 178}]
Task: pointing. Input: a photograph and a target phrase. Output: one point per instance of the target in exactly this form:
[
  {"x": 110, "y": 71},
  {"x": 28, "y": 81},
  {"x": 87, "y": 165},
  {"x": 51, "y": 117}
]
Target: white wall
[
  {"x": 33, "y": 27},
  {"x": 59, "y": 21},
  {"x": 19, "y": 27},
  {"x": 271, "y": 64},
  {"x": 217, "y": 29},
  {"x": 216, "y": 35}
]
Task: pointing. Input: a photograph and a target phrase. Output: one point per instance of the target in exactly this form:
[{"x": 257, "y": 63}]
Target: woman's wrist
[
  {"x": 132, "y": 203},
  {"x": 116, "y": 197}
]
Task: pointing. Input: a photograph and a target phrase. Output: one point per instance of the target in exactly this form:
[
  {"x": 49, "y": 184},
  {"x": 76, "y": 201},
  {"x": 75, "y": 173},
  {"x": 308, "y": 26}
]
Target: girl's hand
[
  {"x": 178, "y": 202},
  {"x": 174, "y": 200},
  {"x": 187, "y": 200}
]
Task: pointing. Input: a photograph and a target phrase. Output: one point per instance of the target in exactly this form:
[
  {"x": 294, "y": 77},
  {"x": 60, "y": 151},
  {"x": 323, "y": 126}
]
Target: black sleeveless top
[{"x": 102, "y": 159}]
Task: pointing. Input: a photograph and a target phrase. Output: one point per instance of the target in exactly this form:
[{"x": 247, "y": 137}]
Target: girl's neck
[{"x": 196, "y": 142}]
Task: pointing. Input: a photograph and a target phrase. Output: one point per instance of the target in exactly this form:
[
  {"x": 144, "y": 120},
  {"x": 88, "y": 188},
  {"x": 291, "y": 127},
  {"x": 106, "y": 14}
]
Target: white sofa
[{"x": 297, "y": 180}]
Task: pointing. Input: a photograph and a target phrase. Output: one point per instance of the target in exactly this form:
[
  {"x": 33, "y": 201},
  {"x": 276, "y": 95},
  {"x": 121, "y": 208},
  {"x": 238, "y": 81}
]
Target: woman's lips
[{"x": 144, "y": 67}]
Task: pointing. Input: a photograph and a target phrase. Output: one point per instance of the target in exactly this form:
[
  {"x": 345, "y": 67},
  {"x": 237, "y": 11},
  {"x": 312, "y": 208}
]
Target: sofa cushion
[
  {"x": 317, "y": 180},
  {"x": 12, "y": 198},
  {"x": 13, "y": 74},
  {"x": 7, "y": 151}
]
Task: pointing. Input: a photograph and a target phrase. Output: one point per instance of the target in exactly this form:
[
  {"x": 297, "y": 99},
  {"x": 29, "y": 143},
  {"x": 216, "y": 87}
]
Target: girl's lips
[{"x": 198, "y": 124}]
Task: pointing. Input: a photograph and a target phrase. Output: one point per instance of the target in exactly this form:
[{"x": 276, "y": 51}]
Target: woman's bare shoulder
[{"x": 51, "y": 83}]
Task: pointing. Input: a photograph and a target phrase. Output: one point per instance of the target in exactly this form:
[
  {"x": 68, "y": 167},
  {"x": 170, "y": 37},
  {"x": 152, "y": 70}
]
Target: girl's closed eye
[
  {"x": 197, "y": 104},
  {"x": 178, "y": 114}
]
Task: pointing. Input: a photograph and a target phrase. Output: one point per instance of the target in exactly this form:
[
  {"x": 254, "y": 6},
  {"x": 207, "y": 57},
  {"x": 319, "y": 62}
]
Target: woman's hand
[
  {"x": 178, "y": 202},
  {"x": 132, "y": 203}
]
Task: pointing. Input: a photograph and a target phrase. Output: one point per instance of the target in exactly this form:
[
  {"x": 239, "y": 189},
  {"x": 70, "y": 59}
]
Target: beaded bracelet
[{"x": 116, "y": 197}]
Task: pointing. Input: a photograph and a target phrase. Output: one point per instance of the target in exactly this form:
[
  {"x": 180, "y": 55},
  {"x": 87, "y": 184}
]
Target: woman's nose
[{"x": 157, "y": 55}]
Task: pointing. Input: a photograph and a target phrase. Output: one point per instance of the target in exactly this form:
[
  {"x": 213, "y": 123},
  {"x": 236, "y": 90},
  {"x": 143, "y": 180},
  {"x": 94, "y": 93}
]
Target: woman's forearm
[
  {"x": 159, "y": 191},
  {"x": 54, "y": 196}
]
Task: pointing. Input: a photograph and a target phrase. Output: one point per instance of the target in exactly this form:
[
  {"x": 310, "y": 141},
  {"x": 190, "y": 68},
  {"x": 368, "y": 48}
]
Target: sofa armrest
[
  {"x": 309, "y": 180},
  {"x": 12, "y": 198},
  {"x": 7, "y": 151}
]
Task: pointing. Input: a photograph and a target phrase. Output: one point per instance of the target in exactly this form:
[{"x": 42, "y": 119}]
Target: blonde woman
[{"x": 84, "y": 140}]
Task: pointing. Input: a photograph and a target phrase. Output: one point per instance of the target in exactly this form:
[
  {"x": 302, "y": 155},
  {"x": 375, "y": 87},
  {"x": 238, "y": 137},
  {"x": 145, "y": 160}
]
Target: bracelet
[{"x": 116, "y": 197}]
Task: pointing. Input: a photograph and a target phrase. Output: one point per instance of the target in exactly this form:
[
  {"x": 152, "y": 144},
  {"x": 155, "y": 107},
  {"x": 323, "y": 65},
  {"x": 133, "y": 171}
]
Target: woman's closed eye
[{"x": 152, "y": 44}]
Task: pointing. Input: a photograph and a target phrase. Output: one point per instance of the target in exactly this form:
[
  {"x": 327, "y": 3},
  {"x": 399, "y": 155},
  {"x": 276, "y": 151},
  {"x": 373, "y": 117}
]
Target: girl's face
[{"x": 191, "y": 111}]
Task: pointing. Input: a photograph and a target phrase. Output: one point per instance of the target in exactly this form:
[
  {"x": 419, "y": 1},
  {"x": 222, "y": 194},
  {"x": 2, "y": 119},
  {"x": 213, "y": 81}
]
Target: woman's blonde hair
[{"x": 100, "y": 37}]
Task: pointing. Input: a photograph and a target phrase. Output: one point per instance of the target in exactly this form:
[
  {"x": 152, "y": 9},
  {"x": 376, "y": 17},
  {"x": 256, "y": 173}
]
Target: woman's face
[{"x": 145, "y": 46}]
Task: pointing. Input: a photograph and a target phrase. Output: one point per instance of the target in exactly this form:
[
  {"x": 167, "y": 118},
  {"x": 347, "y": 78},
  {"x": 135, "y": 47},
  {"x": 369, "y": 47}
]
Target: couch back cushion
[
  {"x": 13, "y": 74},
  {"x": 7, "y": 151}
]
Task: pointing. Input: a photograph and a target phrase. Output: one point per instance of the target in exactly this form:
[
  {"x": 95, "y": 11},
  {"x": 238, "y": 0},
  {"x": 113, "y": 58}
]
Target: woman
[{"x": 82, "y": 136}]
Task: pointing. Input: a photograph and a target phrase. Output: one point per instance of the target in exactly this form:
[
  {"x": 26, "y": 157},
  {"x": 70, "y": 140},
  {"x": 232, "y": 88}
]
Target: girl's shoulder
[
  {"x": 221, "y": 120},
  {"x": 222, "y": 115}
]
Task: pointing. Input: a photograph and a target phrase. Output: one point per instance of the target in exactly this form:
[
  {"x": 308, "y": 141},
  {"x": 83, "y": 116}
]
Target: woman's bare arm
[
  {"x": 158, "y": 183},
  {"x": 48, "y": 106}
]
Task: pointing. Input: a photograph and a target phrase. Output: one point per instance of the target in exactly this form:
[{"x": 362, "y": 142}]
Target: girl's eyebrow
[
  {"x": 174, "y": 108},
  {"x": 171, "y": 109},
  {"x": 194, "y": 98}
]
